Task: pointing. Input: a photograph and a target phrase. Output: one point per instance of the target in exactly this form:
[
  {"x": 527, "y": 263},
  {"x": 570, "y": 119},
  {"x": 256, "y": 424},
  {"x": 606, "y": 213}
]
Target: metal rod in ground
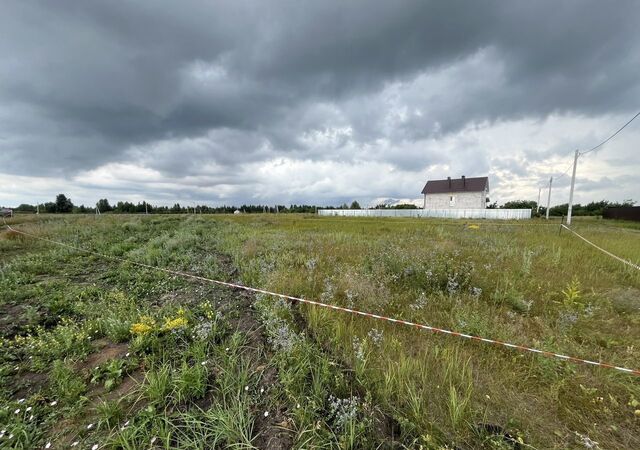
[
  {"x": 573, "y": 182},
  {"x": 549, "y": 198}
]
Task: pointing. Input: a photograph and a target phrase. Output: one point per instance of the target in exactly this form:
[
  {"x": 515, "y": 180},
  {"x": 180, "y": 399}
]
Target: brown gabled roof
[{"x": 463, "y": 184}]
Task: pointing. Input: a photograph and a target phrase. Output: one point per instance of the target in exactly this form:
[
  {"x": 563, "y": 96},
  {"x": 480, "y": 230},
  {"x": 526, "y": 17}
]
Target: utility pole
[
  {"x": 538, "y": 203},
  {"x": 573, "y": 181},
  {"x": 146, "y": 210},
  {"x": 549, "y": 197},
  {"x": 37, "y": 208}
]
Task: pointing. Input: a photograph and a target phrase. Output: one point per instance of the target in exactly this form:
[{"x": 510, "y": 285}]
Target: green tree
[
  {"x": 103, "y": 205},
  {"x": 63, "y": 204},
  {"x": 355, "y": 205},
  {"x": 520, "y": 204}
]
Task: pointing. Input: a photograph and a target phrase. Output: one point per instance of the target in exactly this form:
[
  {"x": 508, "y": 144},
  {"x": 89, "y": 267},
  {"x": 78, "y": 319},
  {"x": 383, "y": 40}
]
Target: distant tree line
[
  {"x": 64, "y": 205},
  {"x": 589, "y": 209}
]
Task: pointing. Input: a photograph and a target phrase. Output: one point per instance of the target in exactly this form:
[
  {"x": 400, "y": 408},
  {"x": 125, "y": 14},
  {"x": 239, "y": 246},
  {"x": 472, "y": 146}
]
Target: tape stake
[{"x": 346, "y": 310}]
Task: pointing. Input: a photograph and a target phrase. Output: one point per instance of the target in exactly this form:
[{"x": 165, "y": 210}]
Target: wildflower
[
  {"x": 31, "y": 417},
  {"x": 203, "y": 363},
  {"x": 153, "y": 439},
  {"x": 358, "y": 348},
  {"x": 344, "y": 410},
  {"x": 75, "y": 443},
  {"x": 21, "y": 401},
  {"x": 226, "y": 349},
  {"x": 17, "y": 411},
  {"x": 48, "y": 445},
  {"x": 420, "y": 302},
  {"x": 376, "y": 336},
  {"x": 127, "y": 355},
  {"x": 28, "y": 409},
  {"x": 140, "y": 328},
  {"x": 246, "y": 388},
  {"x": 172, "y": 324},
  {"x": 53, "y": 403},
  {"x": 90, "y": 426},
  {"x": 126, "y": 423},
  {"x": 266, "y": 413},
  {"x": 94, "y": 447}
]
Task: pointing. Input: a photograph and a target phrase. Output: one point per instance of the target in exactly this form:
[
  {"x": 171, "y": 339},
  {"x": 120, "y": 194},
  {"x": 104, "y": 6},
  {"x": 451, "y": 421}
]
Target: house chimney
[
  {"x": 449, "y": 180},
  {"x": 464, "y": 182}
]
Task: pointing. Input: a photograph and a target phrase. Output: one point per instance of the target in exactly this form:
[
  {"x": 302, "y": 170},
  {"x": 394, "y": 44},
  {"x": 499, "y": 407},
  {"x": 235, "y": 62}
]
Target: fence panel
[{"x": 500, "y": 214}]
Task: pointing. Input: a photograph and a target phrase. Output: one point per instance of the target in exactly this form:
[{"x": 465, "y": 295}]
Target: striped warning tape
[
  {"x": 629, "y": 263},
  {"x": 342, "y": 309}
]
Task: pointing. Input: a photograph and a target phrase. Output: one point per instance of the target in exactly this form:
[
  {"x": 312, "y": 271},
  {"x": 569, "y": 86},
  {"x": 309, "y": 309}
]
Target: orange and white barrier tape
[
  {"x": 629, "y": 263},
  {"x": 346, "y": 310}
]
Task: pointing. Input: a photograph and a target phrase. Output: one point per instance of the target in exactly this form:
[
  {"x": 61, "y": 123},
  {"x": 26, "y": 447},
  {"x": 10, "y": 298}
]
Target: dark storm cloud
[{"x": 177, "y": 85}]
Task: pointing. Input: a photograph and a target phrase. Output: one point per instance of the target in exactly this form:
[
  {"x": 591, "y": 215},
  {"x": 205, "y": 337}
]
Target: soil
[
  {"x": 12, "y": 320},
  {"x": 106, "y": 351}
]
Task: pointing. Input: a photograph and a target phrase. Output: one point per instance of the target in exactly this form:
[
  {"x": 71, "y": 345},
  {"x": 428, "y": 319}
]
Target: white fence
[{"x": 503, "y": 214}]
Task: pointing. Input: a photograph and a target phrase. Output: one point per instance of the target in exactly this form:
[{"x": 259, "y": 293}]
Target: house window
[{"x": 452, "y": 200}]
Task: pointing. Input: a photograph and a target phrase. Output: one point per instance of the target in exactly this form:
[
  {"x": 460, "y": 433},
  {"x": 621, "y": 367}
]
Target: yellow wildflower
[
  {"x": 172, "y": 324},
  {"x": 141, "y": 328}
]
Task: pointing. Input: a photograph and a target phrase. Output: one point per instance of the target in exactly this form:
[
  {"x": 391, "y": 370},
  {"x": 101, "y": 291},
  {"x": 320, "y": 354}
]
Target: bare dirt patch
[{"x": 106, "y": 351}]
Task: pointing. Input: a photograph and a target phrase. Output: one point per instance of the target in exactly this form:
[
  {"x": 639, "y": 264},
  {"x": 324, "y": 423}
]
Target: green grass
[{"x": 335, "y": 381}]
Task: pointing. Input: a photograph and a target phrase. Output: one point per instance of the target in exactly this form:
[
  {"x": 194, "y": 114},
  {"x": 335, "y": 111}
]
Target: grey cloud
[{"x": 180, "y": 87}]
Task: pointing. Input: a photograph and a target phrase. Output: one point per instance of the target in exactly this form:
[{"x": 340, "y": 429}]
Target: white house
[{"x": 459, "y": 193}]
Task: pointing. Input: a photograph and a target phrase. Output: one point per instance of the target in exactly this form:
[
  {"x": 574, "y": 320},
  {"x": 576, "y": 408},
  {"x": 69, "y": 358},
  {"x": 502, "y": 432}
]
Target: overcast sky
[{"x": 314, "y": 102}]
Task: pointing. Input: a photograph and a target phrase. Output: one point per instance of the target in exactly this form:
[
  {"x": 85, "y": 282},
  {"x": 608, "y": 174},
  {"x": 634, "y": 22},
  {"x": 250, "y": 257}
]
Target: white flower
[
  {"x": 226, "y": 349},
  {"x": 262, "y": 390},
  {"x": 28, "y": 409},
  {"x": 126, "y": 423},
  {"x": 246, "y": 388},
  {"x": 53, "y": 403},
  {"x": 75, "y": 443},
  {"x": 127, "y": 355},
  {"x": 90, "y": 426},
  {"x": 204, "y": 363},
  {"x": 94, "y": 447},
  {"x": 298, "y": 406},
  {"x": 153, "y": 439},
  {"x": 31, "y": 417},
  {"x": 48, "y": 445},
  {"x": 17, "y": 411},
  {"x": 10, "y": 436},
  {"x": 266, "y": 413},
  {"x": 21, "y": 401}
]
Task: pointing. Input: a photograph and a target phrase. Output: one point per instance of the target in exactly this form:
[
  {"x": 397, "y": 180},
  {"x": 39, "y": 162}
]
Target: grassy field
[{"x": 99, "y": 353}]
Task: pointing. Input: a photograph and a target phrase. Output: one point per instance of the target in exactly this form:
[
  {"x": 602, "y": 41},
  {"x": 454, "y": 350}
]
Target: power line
[
  {"x": 597, "y": 146},
  {"x": 610, "y": 137}
]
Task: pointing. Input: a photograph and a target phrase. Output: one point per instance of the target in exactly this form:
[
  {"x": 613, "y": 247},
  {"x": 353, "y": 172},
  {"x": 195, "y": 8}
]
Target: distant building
[
  {"x": 6, "y": 212},
  {"x": 458, "y": 193}
]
